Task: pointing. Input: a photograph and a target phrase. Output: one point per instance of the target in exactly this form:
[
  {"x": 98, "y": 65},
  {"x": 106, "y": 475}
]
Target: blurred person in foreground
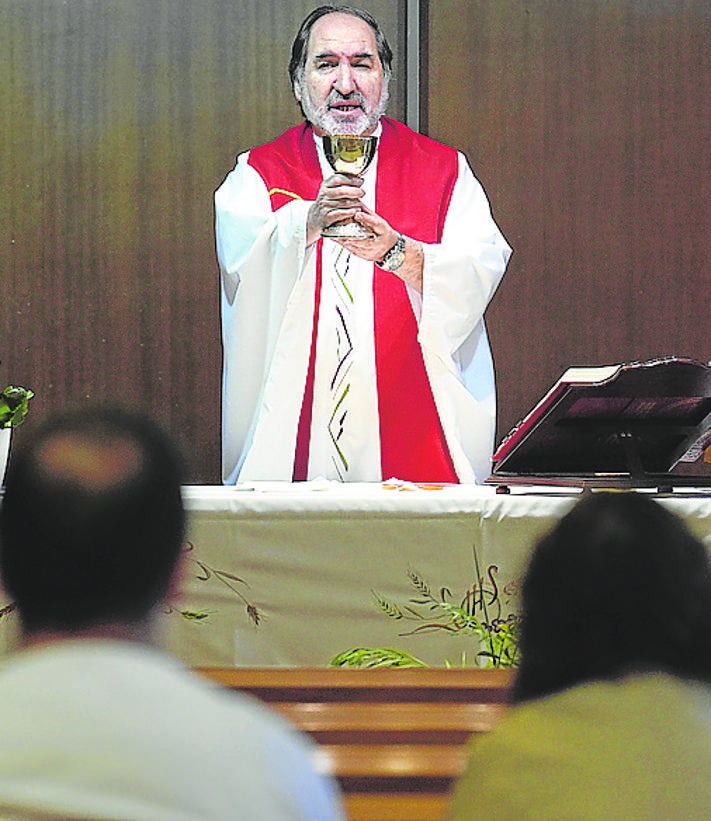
[
  {"x": 611, "y": 715},
  {"x": 355, "y": 360},
  {"x": 97, "y": 722}
]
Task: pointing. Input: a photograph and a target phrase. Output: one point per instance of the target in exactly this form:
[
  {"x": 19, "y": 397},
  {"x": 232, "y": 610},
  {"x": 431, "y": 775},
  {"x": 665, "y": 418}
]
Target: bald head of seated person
[{"x": 97, "y": 721}]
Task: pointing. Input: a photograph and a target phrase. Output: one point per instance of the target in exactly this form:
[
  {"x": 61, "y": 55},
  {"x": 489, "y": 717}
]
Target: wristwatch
[{"x": 394, "y": 258}]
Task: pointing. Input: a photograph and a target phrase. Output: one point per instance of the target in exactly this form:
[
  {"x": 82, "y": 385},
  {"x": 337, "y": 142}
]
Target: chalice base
[{"x": 346, "y": 229}]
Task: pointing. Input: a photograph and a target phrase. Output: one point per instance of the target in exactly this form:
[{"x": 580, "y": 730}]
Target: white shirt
[{"x": 116, "y": 730}]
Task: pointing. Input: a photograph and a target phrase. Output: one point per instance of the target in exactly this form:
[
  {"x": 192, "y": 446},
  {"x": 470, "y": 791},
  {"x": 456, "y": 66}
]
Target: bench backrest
[{"x": 394, "y": 738}]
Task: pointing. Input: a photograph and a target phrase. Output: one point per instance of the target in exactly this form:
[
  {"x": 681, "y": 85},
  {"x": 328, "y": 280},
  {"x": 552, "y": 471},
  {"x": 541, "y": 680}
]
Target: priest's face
[{"x": 343, "y": 88}]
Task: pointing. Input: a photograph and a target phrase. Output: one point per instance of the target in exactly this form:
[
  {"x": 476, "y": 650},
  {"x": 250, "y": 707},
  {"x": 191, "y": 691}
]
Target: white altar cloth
[
  {"x": 309, "y": 558},
  {"x": 312, "y": 555}
]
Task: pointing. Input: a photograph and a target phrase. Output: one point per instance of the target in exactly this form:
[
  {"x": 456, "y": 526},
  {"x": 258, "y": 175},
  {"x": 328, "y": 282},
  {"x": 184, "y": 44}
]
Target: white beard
[{"x": 333, "y": 121}]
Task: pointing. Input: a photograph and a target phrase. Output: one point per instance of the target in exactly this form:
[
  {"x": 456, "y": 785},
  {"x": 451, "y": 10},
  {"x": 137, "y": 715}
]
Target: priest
[{"x": 355, "y": 360}]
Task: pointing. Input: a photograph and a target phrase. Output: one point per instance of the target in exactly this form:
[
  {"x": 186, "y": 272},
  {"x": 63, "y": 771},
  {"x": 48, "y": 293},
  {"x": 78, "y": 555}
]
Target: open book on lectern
[{"x": 623, "y": 425}]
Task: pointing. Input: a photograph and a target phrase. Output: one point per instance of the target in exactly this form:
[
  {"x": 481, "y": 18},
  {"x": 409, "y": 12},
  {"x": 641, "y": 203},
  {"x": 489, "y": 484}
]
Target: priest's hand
[
  {"x": 339, "y": 197},
  {"x": 375, "y": 248}
]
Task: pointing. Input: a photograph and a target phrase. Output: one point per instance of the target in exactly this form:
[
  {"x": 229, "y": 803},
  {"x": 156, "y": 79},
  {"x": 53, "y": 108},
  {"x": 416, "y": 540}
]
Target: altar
[
  {"x": 292, "y": 575},
  {"x": 280, "y": 574}
]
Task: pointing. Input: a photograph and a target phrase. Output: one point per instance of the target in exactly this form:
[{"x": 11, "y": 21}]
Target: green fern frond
[{"x": 370, "y": 657}]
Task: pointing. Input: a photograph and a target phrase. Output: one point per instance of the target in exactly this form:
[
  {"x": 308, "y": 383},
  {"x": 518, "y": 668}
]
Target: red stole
[{"x": 415, "y": 180}]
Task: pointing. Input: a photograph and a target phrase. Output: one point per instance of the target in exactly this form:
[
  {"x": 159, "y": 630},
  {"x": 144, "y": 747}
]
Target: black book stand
[{"x": 622, "y": 426}]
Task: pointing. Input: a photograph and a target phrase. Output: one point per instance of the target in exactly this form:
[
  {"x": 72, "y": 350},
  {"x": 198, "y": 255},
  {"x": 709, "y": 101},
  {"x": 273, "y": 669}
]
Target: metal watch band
[{"x": 394, "y": 258}]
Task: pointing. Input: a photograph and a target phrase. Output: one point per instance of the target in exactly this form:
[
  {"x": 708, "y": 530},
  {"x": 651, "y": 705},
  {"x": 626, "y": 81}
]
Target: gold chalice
[{"x": 348, "y": 154}]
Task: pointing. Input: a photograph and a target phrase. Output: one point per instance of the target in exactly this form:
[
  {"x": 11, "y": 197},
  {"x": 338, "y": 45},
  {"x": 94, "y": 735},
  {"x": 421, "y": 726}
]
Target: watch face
[{"x": 395, "y": 256}]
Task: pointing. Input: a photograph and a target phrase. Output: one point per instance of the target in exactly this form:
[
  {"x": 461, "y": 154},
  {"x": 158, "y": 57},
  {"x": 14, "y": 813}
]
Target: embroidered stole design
[
  {"x": 340, "y": 385},
  {"x": 413, "y": 195}
]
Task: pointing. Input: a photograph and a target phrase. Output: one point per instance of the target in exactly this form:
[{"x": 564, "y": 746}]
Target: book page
[{"x": 589, "y": 375}]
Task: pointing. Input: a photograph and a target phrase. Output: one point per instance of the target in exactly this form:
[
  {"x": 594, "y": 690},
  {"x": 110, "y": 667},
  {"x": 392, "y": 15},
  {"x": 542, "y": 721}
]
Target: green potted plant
[{"x": 14, "y": 404}]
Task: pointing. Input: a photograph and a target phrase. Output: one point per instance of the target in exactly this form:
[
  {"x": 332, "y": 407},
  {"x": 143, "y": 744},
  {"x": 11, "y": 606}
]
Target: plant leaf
[
  {"x": 368, "y": 657},
  {"x": 14, "y": 404}
]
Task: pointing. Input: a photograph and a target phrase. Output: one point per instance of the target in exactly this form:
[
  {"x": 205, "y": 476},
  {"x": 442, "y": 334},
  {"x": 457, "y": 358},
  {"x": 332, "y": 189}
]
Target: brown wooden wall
[
  {"x": 586, "y": 120},
  {"x": 118, "y": 120}
]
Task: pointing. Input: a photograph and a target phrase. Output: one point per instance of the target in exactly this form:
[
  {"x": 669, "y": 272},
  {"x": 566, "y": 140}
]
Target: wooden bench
[{"x": 394, "y": 738}]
